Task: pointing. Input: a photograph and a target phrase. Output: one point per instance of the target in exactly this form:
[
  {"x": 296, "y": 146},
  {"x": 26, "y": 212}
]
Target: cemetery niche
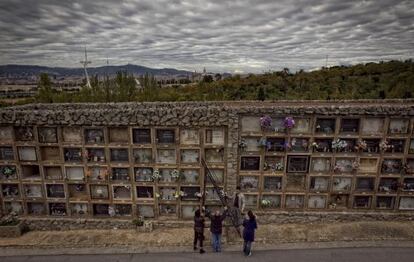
[
  {"x": 99, "y": 192},
  {"x": 121, "y": 191},
  {"x": 408, "y": 184},
  {"x": 388, "y": 185},
  {"x": 142, "y": 155},
  {"x": 33, "y": 190},
  {"x": 275, "y": 144},
  {"x": 316, "y": 201},
  {"x": 146, "y": 211},
  {"x": 189, "y": 137},
  {"x": 391, "y": 166},
  {"x": 120, "y": 174},
  {"x": 6, "y": 153},
  {"x": 78, "y": 191},
  {"x": 190, "y": 193},
  {"x": 368, "y": 165},
  {"x": 143, "y": 174},
  {"x": 10, "y": 190},
  {"x": 294, "y": 201},
  {"x": 362, "y": 201},
  {"x": 385, "y": 202},
  {"x": 36, "y": 208},
  {"x": 8, "y": 172},
  {"x": 95, "y": 154},
  {"x": 396, "y": 146},
  {"x": 214, "y": 155},
  {"x": 27, "y": 153},
  {"x": 52, "y": 172},
  {"x": 166, "y": 156},
  {"x": 298, "y": 164},
  {"x": 338, "y": 201},
  {"x": 322, "y": 145},
  {"x": 119, "y": 155},
  {"x": 372, "y": 126},
  {"x": 295, "y": 182},
  {"x": 325, "y": 125},
  {"x": 299, "y": 144},
  {"x": 145, "y": 192},
  {"x": 214, "y": 136},
  {"x": 406, "y": 203},
  {"x": 273, "y": 164},
  {"x": 97, "y": 173},
  {"x": 123, "y": 210},
  {"x": 302, "y": 125},
  {"x": 272, "y": 183},
  {"x": 13, "y": 207},
  {"x": 55, "y": 191},
  {"x": 398, "y": 126},
  {"x": 30, "y": 172},
  {"x": 364, "y": 184},
  {"x": 72, "y": 154},
  {"x": 72, "y": 135},
  {"x": 167, "y": 209},
  {"x": 192, "y": 176},
  {"x": 118, "y": 135},
  {"x": 165, "y": 136},
  {"x": 250, "y": 163},
  {"x": 57, "y": 209},
  {"x": 187, "y": 211},
  {"x": 102, "y": 210},
  {"x": 372, "y": 146},
  {"x": 75, "y": 173},
  {"x": 50, "y": 153},
  {"x": 319, "y": 183},
  {"x": 341, "y": 184},
  {"x": 79, "y": 209},
  {"x": 345, "y": 165},
  {"x": 349, "y": 125},
  {"x": 249, "y": 182},
  {"x": 218, "y": 176},
  {"x": 270, "y": 202},
  {"x": 24, "y": 133},
  {"x": 189, "y": 156},
  {"x": 6, "y": 134},
  {"x": 251, "y": 144},
  {"x": 321, "y": 165},
  {"x": 47, "y": 135},
  {"x": 167, "y": 193},
  {"x": 94, "y": 136},
  {"x": 141, "y": 136}
]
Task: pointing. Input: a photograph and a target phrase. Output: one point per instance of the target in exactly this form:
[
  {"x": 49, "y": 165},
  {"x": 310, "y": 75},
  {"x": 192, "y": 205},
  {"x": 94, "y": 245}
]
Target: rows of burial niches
[
  {"x": 327, "y": 163},
  {"x": 304, "y": 163},
  {"x": 109, "y": 171}
]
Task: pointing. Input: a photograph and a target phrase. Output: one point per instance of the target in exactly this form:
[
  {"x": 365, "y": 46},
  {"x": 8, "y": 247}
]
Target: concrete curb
[{"x": 44, "y": 251}]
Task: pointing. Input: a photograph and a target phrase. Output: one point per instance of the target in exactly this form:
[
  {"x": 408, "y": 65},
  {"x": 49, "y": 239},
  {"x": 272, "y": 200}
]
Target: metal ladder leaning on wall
[{"x": 208, "y": 175}]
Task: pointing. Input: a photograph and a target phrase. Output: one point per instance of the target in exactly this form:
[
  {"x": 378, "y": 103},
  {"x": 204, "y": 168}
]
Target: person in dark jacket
[
  {"x": 216, "y": 227},
  {"x": 250, "y": 226},
  {"x": 198, "y": 230}
]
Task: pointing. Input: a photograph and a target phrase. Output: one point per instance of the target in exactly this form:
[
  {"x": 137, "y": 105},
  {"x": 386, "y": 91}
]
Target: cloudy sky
[{"x": 232, "y": 36}]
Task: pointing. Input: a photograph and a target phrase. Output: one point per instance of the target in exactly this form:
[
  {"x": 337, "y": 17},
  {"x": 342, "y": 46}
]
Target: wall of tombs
[{"x": 143, "y": 159}]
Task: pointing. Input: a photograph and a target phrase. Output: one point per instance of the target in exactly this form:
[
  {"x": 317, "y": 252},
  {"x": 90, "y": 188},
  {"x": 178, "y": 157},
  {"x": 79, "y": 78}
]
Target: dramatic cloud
[{"x": 233, "y": 36}]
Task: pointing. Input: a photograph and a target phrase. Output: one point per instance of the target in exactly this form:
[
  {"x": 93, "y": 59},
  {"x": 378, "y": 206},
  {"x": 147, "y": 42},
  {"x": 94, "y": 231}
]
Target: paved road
[{"x": 308, "y": 255}]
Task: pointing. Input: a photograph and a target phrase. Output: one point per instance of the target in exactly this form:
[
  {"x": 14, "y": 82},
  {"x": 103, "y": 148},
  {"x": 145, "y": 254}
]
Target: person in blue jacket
[{"x": 250, "y": 227}]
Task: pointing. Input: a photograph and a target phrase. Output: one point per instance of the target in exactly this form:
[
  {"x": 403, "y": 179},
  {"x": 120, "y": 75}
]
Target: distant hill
[{"x": 28, "y": 70}]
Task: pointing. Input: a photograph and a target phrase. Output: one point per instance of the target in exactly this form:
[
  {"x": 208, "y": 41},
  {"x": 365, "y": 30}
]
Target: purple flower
[
  {"x": 289, "y": 122},
  {"x": 265, "y": 121}
]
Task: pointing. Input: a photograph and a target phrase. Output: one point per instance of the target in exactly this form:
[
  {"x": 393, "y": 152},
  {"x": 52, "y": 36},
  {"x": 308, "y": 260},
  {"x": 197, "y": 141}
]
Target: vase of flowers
[
  {"x": 265, "y": 203},
  {"x": 156, "y": 176},
  {"x": 289, "y": 122},
  {"x": 339, "y": 145},
  {"x": 266, "y": 123}
]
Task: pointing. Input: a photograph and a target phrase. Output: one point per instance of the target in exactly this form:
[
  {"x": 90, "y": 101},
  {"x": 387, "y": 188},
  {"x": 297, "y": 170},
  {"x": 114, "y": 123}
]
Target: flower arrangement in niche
[
  {"x": 384, "y": 146},
  {"x": 339, "y": 145},
  {"x": 289, "y": 122},
  {"x": 198, "y": 194},
  {"x": 265, "y": 123},
  {"x": 361, "y": 145},
  {"x": 178, "y": 194},
  {"x": 175, "y": 174},
  {"x": 314, "y": 145},
  {"x": 156, "y": 175},
  {"x": 355, "y": 165},
  {"x": 265, "y": 203},
  {"x": 157, "y": 195}
]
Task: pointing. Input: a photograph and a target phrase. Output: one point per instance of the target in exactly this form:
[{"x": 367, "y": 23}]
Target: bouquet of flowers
[
  {"x": 199, "y": 194},
  {"x": 155, "y": 175},
  {"x": 289, "y": 122},
  {"x": 315, "y": 145},
  {"x": 265, "y": 203},
  {"x": 243, "y": 144},
  {"x": 265, "y": 122},
  {"x": 339, "y": 144},
  {"x": 384, "y": 146},
  {"x": 362, "y": 145},
  {"x": 178, "y": 194},
  {"x": 175, "y": 174},
  {"x": 279, "y": 166}
]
